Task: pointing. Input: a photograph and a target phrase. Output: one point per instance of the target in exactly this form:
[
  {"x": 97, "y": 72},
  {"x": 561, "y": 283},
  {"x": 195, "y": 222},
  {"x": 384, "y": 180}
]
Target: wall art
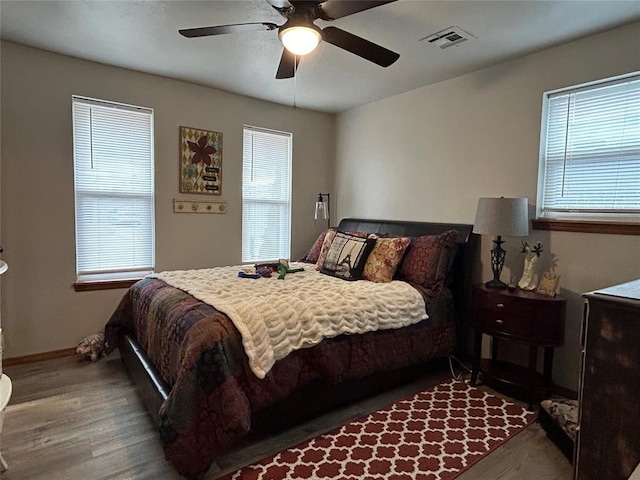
[{"x": 200, "y": 161}]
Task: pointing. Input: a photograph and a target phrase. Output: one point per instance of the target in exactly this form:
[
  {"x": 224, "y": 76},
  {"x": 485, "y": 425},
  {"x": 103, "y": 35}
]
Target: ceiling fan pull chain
[{"x": 294, "y": 82}]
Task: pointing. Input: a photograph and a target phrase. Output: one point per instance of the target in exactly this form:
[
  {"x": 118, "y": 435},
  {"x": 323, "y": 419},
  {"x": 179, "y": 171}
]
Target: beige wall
[
  {"x": 430, "y": 153},
  {"x": 40, "y": 310},
  {"x": 424, "y": 155}
]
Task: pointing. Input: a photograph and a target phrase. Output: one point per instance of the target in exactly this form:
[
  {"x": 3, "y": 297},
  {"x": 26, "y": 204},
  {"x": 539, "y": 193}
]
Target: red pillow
[
  {"x": 314, "y": 252},
  {"x": 426, "y": 260}
]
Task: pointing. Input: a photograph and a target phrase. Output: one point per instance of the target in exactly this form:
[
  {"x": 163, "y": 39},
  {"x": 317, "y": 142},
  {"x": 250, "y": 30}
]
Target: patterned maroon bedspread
[{"x": 199, "y": 354}]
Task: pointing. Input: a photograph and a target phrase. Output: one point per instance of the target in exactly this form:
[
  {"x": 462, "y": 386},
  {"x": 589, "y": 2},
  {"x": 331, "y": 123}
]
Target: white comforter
[{"x": 276, "y": 317}]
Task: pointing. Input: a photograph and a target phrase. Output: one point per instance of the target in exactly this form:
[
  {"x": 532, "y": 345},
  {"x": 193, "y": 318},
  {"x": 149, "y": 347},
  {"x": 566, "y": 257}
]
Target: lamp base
[
  {"x": 497, "y": 261},
  {"x": 495, "y": 283}
]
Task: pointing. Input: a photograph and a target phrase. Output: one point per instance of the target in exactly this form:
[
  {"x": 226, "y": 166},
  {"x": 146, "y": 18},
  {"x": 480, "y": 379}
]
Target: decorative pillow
[
  {"x": 385, "y": 258},
  {"x": 326, "y": 243},
  {"x": 328, "y": 239},
  {"x": 314, "y": 252},
  {"x": 347, "y": 256},
  {"x": 427, "y": 259}
]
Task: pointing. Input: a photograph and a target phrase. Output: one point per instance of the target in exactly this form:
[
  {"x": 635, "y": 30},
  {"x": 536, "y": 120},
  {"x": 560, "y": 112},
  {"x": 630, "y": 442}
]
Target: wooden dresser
[{"x": 608, "y": 445}]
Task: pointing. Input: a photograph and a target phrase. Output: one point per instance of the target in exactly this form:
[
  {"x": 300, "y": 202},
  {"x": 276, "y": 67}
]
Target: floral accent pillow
[
  {"x": 328, "y": 239},
  {"x": 314, "y": 252},
  {"x": 426, "y": 260},
  {"x": 385, "y": 258},
  {"x": 347, "y": 256}
]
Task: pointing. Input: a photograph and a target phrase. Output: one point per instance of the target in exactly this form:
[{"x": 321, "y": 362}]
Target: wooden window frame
[{"x": 584, "y": 226}]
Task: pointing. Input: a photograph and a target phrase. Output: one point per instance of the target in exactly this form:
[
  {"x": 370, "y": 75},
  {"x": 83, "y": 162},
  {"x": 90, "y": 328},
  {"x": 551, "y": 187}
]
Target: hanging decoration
[{"x": 200, "y": 161}]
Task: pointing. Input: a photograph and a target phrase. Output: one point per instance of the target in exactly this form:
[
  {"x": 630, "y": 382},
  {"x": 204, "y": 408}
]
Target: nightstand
[{"x": 520, "y": 316}]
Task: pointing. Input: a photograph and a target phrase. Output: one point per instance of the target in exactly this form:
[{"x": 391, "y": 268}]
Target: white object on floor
[
  {"x": 636, "y": 473},
  {"x": 5, "y": 395}
]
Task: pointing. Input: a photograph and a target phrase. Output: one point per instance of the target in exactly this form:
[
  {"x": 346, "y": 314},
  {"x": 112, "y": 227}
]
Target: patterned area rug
[{"x": 434, "y": 435}]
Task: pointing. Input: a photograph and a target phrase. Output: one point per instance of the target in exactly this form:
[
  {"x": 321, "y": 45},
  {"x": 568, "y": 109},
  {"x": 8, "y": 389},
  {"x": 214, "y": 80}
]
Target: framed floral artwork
[
  {"x": 548, "y": 284},
  {"x": 200, "y": 161}
]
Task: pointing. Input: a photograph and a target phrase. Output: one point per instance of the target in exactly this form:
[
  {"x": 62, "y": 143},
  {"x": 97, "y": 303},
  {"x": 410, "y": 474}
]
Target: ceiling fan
[{"x": 300, "y": 35}]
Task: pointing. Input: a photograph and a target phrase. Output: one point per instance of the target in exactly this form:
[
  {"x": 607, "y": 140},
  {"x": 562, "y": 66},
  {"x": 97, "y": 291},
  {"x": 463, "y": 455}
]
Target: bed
[{"x": 203, "y": 391}]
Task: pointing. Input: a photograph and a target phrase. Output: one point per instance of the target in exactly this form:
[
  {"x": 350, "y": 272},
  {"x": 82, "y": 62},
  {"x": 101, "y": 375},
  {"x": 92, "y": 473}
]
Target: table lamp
[{"x": 501, "y": 216}]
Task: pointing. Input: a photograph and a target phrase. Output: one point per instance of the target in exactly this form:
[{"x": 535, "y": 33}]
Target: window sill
[
  {"x": 103, "y": 285},
  {"x": 617, "y": 228}
]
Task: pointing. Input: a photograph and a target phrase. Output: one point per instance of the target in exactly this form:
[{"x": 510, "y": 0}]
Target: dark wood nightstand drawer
[
  {"x": 505, "y": 304},
  {"x": 505, "y": 323},
  {"x": 521, "y": 316}
]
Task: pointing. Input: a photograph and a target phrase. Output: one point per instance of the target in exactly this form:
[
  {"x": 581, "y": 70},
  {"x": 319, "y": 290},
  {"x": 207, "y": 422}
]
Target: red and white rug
[{"x": 434, "y": 435}]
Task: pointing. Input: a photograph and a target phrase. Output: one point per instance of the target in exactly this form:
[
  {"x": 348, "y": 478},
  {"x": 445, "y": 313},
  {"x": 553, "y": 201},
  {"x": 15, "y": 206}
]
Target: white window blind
[
  {"x": 590, "y": 151},
  {"x": 114, "y": 190},
  {"x": 266, "y": 195}
]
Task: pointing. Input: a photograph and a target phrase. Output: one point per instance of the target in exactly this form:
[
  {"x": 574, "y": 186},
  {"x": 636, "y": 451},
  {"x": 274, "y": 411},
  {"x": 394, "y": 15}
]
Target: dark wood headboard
[{"x": 461, "y": 268}]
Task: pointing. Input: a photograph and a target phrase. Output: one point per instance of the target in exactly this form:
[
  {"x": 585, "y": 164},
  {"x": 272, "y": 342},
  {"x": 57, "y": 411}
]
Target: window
[
  {"x": 114, "y": 193},
  {"x": 590, "y": 152},
  {"x": 266, "y": 195}
]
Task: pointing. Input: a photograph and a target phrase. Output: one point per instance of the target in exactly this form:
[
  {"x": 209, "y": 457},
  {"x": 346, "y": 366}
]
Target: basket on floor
[{"x": 559, "y": 418}]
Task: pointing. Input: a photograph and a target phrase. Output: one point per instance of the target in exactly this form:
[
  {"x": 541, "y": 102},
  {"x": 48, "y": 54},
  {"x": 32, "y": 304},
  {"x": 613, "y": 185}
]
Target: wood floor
[{"x": 69, "y": 419}]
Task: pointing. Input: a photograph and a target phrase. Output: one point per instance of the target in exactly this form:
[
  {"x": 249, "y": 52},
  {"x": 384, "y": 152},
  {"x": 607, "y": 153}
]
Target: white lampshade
[
  {"x": 502, "y": 216},
  {"x": 299, "y": 39}
]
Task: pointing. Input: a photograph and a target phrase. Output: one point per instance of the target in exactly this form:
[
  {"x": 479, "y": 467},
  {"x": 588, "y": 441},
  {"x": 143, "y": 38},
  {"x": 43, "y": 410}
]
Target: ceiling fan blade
[
  {"x": 283, "y": 7},
  {"x": 223, "y": 29},
  {"x": 280, "y": 4},
  {"x": 288, "y": 65},
  {"x": 332, "y": 9},
  {"x": 359, "y": 46}
]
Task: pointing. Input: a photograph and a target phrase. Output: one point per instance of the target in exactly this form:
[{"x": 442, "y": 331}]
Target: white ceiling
[{"x": 143, "y": 35}]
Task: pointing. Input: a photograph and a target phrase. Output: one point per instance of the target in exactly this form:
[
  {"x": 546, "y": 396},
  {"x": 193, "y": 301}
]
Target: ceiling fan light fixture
[{"x": 300, "y": 39}]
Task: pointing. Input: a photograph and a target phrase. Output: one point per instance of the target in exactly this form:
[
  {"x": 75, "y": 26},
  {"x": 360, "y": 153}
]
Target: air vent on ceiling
[{"x": 448, "y": 37}]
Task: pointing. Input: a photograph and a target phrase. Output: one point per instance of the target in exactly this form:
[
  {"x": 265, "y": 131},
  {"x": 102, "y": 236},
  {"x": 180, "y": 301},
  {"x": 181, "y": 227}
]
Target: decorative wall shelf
[{"x": 189, "y": 206}]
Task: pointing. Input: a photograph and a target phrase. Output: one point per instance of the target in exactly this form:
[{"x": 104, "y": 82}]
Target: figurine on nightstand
[{"x": 529, "y": 279}]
